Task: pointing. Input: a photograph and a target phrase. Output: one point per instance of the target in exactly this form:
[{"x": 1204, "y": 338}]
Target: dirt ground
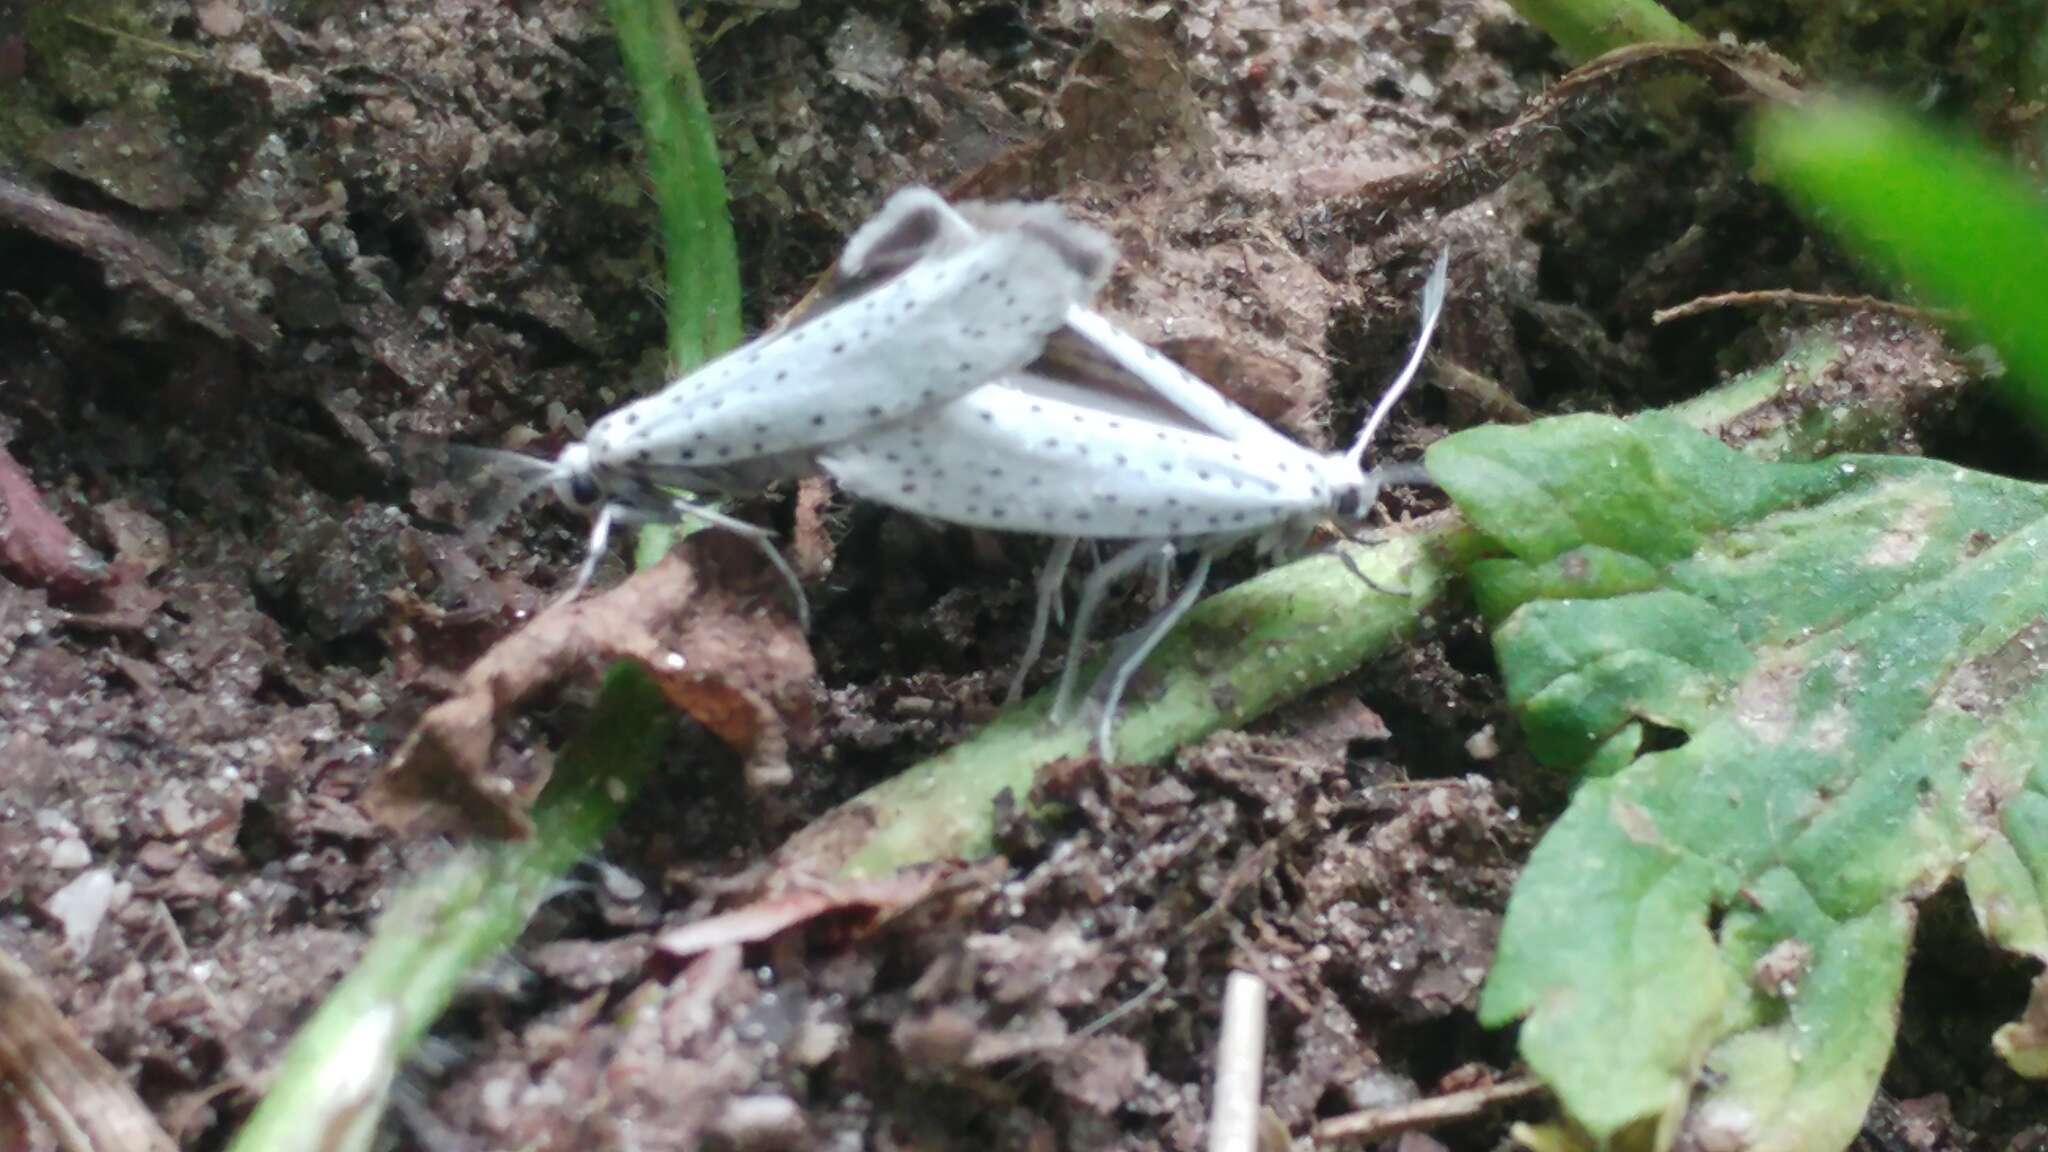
[{"x": 408, "y": 218}]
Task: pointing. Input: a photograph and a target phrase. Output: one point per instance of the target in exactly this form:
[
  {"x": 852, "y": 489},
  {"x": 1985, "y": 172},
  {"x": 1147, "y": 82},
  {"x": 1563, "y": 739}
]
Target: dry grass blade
[
  {"x": 1788, "y": 298},
  {"x": 63, "y": 1083}
]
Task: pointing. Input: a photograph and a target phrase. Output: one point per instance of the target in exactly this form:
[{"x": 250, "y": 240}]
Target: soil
[{"x": 431, "y": 219}]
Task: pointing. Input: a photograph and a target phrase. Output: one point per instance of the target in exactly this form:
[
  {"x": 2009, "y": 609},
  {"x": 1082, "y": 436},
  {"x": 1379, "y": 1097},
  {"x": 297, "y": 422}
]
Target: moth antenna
[
  {"x": 1432, "y": 307},
  {"x": 491, "y": 509},
  {"x": 482, "y": 486}
]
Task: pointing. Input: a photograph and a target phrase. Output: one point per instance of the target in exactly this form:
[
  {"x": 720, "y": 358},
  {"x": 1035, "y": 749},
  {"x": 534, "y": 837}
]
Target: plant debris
[
  {"x": 48, "y": 1072},
  {"x": 694, "y": 621},
  {"x": 853, "y": 907}
]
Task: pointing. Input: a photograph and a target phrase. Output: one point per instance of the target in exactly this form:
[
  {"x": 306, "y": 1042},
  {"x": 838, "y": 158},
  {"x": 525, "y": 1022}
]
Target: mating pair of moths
[{"x": 951, "y": 367}]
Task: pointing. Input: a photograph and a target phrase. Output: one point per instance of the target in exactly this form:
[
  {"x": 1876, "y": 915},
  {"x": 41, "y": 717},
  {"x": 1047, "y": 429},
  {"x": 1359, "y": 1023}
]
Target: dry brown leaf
[
  {"x": 855, "y": 908},
  {"x": 706, "y": 623},
  {"x": 1126, "y": 97},
  {"x": 1271, "y": 389}
]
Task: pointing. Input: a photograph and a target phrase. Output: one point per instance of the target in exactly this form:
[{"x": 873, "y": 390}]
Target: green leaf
[
  {"x": 1587, "y": 28},
  {"x": 1949, "y": 218},
  {"x": 1850, "y": 655}
]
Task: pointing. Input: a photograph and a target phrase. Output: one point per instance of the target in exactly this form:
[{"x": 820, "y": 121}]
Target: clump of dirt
[{"x": 438, "y": 217}]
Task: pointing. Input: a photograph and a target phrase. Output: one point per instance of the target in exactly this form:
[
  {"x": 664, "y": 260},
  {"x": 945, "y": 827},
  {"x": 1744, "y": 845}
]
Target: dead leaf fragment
[
  {"x": 1273, "y": 390},
  {"x": 855, "y": 908},
  {"x": 695, "y": 622}
]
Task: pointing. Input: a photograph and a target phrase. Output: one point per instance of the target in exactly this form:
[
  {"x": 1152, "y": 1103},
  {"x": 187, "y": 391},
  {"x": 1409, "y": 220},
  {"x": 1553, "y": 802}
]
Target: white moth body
[
  {"x": 1014, "y": 460},
  {"x": 912, "y": 318},
  {"x": 1104, "y": 438},
  {"x": 927, "y": 334}
]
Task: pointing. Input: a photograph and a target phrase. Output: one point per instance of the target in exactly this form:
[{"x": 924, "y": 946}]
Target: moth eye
[
  {"x": 583, "y": 489},
  {"x": 1351, "y": 503}
]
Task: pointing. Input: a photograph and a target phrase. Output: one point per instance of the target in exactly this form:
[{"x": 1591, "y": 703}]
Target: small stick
[
  {"x": 1240, "y": 1066},
  {"x": 1379, "y": 1123},
  {"x": 1788, "y": 298}
]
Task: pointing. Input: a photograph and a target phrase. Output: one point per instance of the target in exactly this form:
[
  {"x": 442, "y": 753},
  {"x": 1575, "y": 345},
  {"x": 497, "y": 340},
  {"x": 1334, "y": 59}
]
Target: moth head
[
  {"x": 575, "y": 480},
  {"x": 1353, "y": 491},
  {"x": 1351, "y": 504}
]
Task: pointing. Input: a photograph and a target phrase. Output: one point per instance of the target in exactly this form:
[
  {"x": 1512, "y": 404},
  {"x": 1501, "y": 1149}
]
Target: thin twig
[
  {"x": 127, "y": 258},
  {"x": 1122, "y": 1010},
  {"x": 192, "y": 56},
  {"x": 1485, "y": 165},
  {"x": 1240, "y": 1066},
  {"x": 1379, "y": 1123},
  {"x": 1788, "y": 298},
  {"x": 223, "y": 1023}
]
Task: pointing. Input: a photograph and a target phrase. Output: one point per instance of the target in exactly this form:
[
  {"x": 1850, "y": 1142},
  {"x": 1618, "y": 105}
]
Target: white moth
[
  {"x": 901, "y": 327},
  {"x": 1134, "y": 449}
]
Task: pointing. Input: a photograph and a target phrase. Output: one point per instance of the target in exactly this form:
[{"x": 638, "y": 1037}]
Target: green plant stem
[
  {"x": 689, "y": 184},
  {"x": 465, "y": 911},
  {"x": 1270, "y": 640},
  {"x": 475, "y": 904},
  {"x": 1587, "y": 28},
  {"x": 1237, "y": 656}
]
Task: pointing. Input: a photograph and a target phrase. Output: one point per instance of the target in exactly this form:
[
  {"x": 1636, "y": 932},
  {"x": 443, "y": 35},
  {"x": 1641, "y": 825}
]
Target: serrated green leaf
[{"x": 1854, "y": 654}]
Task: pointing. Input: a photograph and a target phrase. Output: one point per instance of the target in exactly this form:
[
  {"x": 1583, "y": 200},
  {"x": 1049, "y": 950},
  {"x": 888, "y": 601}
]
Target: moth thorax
[{"x": 574, "y": 481}]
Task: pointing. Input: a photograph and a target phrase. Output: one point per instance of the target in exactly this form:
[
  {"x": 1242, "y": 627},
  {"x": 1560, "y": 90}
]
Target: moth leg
[
  {"x": 600, "y": 537},
  {"x": 1128, "y": 659},
  {"x": 765, "y": 541},
  {"x": 1092, "y": 592},
  {"x": 1163, "y": 571},
  {"x": 1050, "y": 578},
  {"x": 1351, "y": 563}
]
